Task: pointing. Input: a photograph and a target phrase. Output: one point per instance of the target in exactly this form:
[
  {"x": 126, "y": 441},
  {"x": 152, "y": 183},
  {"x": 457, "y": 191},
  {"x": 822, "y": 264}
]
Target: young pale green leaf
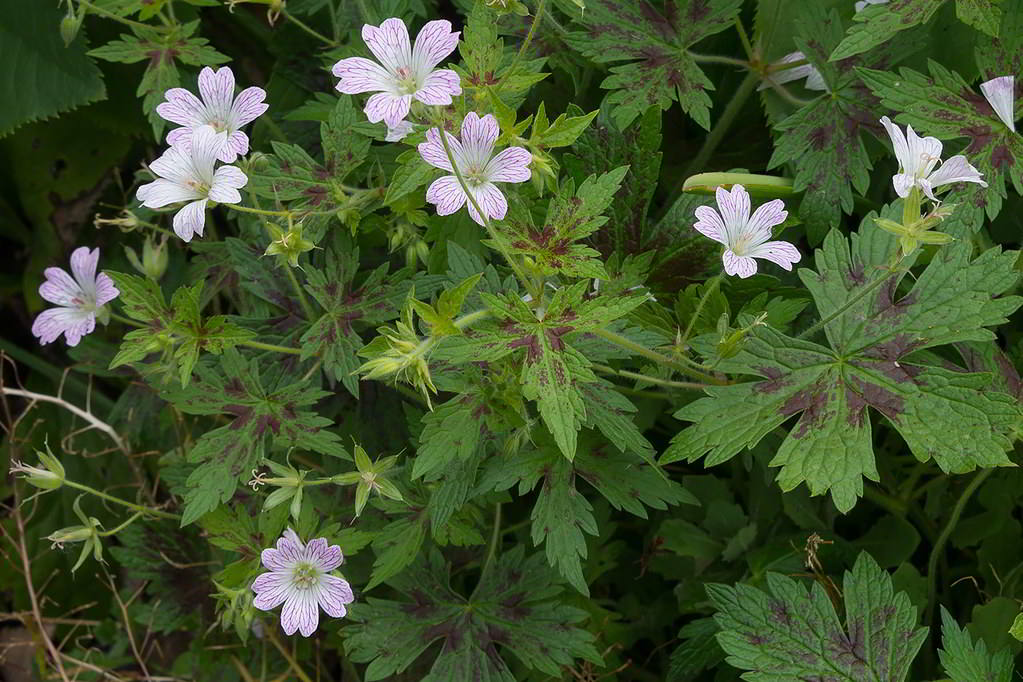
[
  {"x": 946, "y": 106},
  {"x": 965, "y": 660},
  {"x": 876, "y": 24},
  {"x": 513, "y": 610},
  {"x": 869, "y": 363},
  {"x": 659, "y": 69},
  {"x": 794, "y": 633},
  {"x": 562, "y": 132}
]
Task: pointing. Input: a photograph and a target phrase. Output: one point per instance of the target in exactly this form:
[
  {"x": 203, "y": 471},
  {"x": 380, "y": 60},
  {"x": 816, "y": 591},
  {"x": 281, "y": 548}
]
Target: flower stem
[
  {"x": 295, "y": 667},
  {"x": 308, "y": 29},
  {"x": 118, "y": 529},
  {"x": 717, "y": 133},
  {"x": 744, "y": 38},
  {"x": 270, "y": 346},
  {"x": 649, "y": 354},
  {"x": 708, "y": 289},
  {"x": 717, "y": 59},
  {"x": 537, "y": 17},
  {"x": 310, "y": 314},
  {"x": 258, "y": 211},
  {"x": 124, "y": 320},
  {"x": 838, "y": 312},
  {"x": 117, "y": 500},
  {"x": 946, "y": 532},
  {"x": 688, "y": 385},
  {"x": 494, "y": 236},
  {"x": 495, "y": 540},
  {"x": 110, "y": 15}
]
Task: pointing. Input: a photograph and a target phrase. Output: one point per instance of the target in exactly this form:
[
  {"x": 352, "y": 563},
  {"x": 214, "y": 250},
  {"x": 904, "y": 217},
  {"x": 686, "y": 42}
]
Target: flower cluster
[{"x": 210, "y": 131}]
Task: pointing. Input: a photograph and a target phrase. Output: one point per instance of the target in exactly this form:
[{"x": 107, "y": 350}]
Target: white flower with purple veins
[
  {"x": 404, "y": 72},
  {"x": 300, "y": 578},
  {"x": 186, "y": 174},
  {"x": 218, "y": 108},
  {"x": 80, "y": 296},
  {"x": 474, "y": 157},
  {"x": 745, "y": 237},
  {"x": 918, "y": 157},
  {"x": 1000, "y": 93},
  {"x": 814, "y": 80}
]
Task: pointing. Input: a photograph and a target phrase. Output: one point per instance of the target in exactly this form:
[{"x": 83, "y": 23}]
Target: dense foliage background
[{"x": 558, "y": 446}]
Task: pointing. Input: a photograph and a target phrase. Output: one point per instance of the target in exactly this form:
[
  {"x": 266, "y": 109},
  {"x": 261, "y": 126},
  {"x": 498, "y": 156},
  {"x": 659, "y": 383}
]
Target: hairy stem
[
  {"x": 308, "y": 29},
  {"x": 717, "y": 133},
  {"x": 838, "y": 312},
  {"x": 310, "y": 314},
  {"x": 708, "y": 289},
  {"x": 687, "y": 385},
  {"x": 628, "y": 344},
  {"x": 124, "y": 503},
  {"x": 537, "y": 17}
]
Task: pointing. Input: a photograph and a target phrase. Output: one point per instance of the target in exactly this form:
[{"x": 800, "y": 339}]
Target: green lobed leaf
[
  {"x": 794, "y": 633},
  {"x": 513, "y": 610},
  {"x": 869, "y": 363},
  {"x": 876, "y": 24},
  {"x": 965, "y": 660},
  {"x": 659, "y": 69}
]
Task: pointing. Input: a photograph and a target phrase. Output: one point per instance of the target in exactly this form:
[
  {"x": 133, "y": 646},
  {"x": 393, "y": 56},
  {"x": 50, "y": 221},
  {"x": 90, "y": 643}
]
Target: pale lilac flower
[
  {"x": 300, "y": 578},
  {"x": 917, "y": 158},
  {"x": 218, "y": 108},
  {"x": 745, "y": 237},
  {"x": 186, "y": 174},
  {"x": 475, "y": 159},
  {"x": 80, "y": 296},
  {"x": 861, "y": 4},
  {"x": 814, "y": 80},
  {"x": 404, "y": 72},
  {"x": 397, "y": 133},
  {"x": 1000, "y": 93}
]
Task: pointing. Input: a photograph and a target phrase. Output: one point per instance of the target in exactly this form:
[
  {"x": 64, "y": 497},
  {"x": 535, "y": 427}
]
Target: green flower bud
[{"x": 49, "y": 476}]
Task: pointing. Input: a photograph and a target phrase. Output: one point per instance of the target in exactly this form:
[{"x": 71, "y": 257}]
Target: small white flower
[
  {"x": 814, "y": 80},
  {"x": 480, "y": 168},
  {"x": 1001, "y": 94},
  {"x": 918, "y": 157},
  {"x": 404, "y": 72},
  {"x": 861, "y": 4},
  {"x": 79, "y": 296},
  {"x": 188, "y": 175},
  {"x": 745, "y": 237},
  {"x": 218, "y": 108},
  {"x": 300, "y": 578}
]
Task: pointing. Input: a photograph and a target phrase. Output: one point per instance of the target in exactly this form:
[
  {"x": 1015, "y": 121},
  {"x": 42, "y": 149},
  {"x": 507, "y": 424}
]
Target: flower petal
[
  {"x": 175, "y": 164},
  {"x": 434, "y": 42},
  {"x": 389, "y": 44},
  {"x": 439, "y": 87},
  {"x": 73, "y": 323},
  {"x": 399, "y": 132},
  {"x": 359, "y": 75},
  {"x": 83, "y": 267},
  {"x": 182, "y": 107},
  {"x": 333, "y": 594},
  {"x": 955, "y": 169},
  {"x": 709, "y": 224},
  {"x": 60, "y": 288},
  {"x": 300, "y": 613},
  {"x": 206, "y": 146},
  {"x": 743, "y": 266},
  {"x": 272, "y": 591},
  {"x": 433, "y": 152},
  {"x": 160, "y": 193},
  {"x": 491, "y": 201},
  {"x": 327, "y": 557},
  {"x": 924, "y": 153},
  {"x": 386, "y": 107},
  {"x": 764, "y": 218},
  {"x": 247, "y": 107},
  {"x": 898, "y": 143},
  {"x": 180, "y": 137},
  {"x": 446, "y": 194},
  {"x": 734, "y": 208},
  {"x": 226, "y": 182},
  {"x": 781, "y": 253},
  {"x": 217, "y": 91},
  {"x": 511, "y": 165},
  {"x": 105, "y": 289},
  {"x": 237, "y": 145},
  {"x": 190, "y": 219},
  {"x": 903, "y": 183},
  {"x": 478, "y": 137},
  {"x": 1000, "y": 93}
]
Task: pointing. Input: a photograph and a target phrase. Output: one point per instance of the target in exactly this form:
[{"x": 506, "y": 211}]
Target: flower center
[
  {"x": 200, "y": 187},
  {"x": 741, "y": 245},
  {"x": 218, "y": 125},
  {"x": 407, "y": 82},
  {"x": 474, "y": 175},
  {"x": 305, "y": 576}
]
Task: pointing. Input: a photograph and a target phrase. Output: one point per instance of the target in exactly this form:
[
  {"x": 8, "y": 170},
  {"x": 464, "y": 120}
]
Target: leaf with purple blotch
[
  {"x": 513, "y": 610},
  {"x": 659, "y": 69},
  {"x": 946, "y": 106},
  {"x": 791, "y": 633},
  {"x": 966, "y": 661},
  {"x": 868, "y": 361}
]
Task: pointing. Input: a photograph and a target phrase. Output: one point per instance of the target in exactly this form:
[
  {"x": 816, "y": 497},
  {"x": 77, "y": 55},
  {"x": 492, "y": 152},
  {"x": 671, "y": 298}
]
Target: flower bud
[
  {"x": 154, "y": 258},
  {"x": 69, "y": 27},
  {"x": 288, "y": 244},
  {"x": 126, "y": 223},
  {"x": 49, "y": 476},
  {"x": 70, "y": 535}
]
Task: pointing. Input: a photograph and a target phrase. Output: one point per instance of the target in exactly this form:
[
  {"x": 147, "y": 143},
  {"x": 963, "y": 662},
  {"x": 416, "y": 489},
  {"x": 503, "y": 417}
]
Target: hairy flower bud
[{"x": 49, "y": 476}]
